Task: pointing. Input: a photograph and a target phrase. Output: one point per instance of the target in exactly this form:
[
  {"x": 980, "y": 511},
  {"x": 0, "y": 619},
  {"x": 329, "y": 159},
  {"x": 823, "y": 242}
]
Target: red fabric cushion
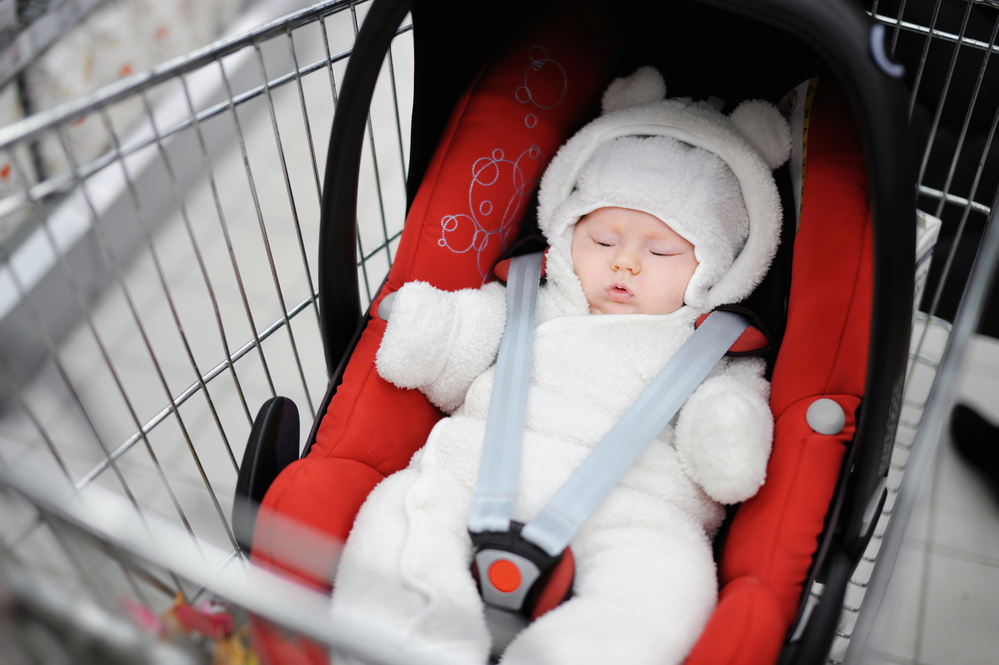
[
  {"x": 824, "y": 354},
  {"x": 829, "y": 312},
  {"x": 775, "y": 533},
  {"x": 499, "y": 139},
  {"x": 275, "y": 646},
  {"x": 746, "y": 627},
  {"x": 307, "y": 514},
  {"x": 494, "y": 149}
]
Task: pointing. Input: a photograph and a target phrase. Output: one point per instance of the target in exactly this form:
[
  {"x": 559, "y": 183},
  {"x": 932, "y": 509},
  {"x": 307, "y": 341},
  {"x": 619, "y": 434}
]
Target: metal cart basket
[{"x": 160, "y": 286}]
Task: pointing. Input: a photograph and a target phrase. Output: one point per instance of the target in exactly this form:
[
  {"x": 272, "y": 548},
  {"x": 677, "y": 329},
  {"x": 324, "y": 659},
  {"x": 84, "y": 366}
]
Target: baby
[{"x": 656, "y": 212}]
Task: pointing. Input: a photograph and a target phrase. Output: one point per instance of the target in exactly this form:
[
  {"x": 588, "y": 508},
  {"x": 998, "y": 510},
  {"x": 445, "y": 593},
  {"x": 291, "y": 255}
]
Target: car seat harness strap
[
  {"x": 492, "y": 508},
  {"x": 621, "y": 447},
  {"x": 510, "y": 558}
]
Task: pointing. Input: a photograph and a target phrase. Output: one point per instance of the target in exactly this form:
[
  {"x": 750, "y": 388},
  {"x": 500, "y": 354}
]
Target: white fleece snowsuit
[{"x": 645, "y": 580}]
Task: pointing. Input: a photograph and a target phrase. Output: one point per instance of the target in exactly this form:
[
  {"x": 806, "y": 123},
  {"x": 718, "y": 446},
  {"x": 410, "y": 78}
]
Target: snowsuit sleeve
[
  {"x": 725, "y": 431},
  {"x": 439, "y": 341}
]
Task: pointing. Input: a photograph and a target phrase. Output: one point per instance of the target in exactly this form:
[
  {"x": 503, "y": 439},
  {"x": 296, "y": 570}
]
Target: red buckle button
[{"x": 504, "y": 575}]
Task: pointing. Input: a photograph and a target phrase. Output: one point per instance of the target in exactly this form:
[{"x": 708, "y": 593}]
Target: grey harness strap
[
  {"x": 554, "y": 526},
  {"x": 492, "y": 507}
]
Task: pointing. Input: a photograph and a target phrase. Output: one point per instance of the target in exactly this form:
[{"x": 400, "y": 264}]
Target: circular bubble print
[{"x": 545, "y": 81}]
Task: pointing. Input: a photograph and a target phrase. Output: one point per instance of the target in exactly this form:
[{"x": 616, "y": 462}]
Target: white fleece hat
[
  {"x": 705, "y": 174},
  {"x": 690, "y": 189}
]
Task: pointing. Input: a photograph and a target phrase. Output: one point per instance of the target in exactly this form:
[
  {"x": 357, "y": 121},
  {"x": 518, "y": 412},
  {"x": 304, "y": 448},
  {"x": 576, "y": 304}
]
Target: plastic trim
[{"x": 339, "y": 297}]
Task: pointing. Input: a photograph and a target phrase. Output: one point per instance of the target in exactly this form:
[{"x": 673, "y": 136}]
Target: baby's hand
[
  {"x": 416, "y": 342},
  {"x": 439, "y": 341},
  {"x": 724, "y": 435}
]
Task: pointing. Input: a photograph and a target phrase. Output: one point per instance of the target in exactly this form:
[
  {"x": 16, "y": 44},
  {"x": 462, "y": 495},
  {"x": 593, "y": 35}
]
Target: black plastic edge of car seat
[
  {"x": 820, "y": 631},
  {"x": 336, "y": 380},
  {"x": 339, "y": 298},
  {"x": 272, "y": 445}
]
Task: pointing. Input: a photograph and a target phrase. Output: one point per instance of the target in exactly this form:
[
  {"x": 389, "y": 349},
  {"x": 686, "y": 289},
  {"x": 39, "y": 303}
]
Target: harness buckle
[
  {"x": 508, "y": 569},
  {"x": 518, "y": 581}
]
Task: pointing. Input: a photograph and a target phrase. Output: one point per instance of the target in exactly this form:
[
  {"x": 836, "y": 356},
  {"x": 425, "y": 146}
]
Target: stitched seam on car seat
[
  {"x": 353, "y": 407},
  {"x": 784, "y": 506},
  {"x": 854, "y": 295},
  {"x": 270, "y": 532}
]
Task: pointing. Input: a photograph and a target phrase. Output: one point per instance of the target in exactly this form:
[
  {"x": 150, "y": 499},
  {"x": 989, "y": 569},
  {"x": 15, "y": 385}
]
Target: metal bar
[
  {"x": 362, "y": 262},
  {"x": 50, "y": 344},
  {"x": 898, "y": 25},
  {"x": 186, "y": 218},
  {"x": 398, "y": 120},
  {"x": 967, "y": 115},
  {"x": 380, "y": 247},
  {"x": 922, "y": 61},
  {"x": 58, "y": 184},
  {"x": 225, "y": 227},
  {"x": 956, "y": 200},
  {"x": 263, "y": 228},
  {"x": 125, "y": 88},
  {"x": 27, "y": 411},
  {"x": 932, "y": 32},
  {"x": 147, "y": 233},
  {"x": 191, "y": 390},
  {"x": 961, "y": 225},
  {"x": 943, "y": 94},
  {"x": 315, "y": 170},
  {"x": 329, "y": 60},
  {"x": 112, "y": 261},
  {"x": 928, "y": 437},
  {"x": 377, "y": 171}
]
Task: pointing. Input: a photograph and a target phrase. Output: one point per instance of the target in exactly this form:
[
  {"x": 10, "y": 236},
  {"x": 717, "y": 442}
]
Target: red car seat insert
[{"x": 503, "y": 131}]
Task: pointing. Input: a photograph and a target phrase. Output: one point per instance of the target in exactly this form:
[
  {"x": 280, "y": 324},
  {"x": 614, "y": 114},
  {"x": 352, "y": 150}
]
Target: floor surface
[{"x": 942, "y": 605}]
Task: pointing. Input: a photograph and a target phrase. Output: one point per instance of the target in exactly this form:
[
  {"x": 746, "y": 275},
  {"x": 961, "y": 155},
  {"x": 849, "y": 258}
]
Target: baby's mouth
[{"x": 619, "y": 292}]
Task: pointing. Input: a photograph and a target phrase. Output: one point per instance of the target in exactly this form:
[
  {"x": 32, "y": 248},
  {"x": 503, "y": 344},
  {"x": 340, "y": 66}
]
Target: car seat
[{"x": 837, "y": 304}]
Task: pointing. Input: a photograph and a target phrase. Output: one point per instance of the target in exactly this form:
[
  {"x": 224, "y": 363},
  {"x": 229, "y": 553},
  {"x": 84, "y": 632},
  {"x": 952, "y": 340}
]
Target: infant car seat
[{"x": 489, "y": 111}]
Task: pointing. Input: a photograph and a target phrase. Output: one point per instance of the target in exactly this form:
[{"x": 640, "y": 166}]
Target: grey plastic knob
[
  {"x": 825, "y": 416},
  {"x": 385, "y": 307}
]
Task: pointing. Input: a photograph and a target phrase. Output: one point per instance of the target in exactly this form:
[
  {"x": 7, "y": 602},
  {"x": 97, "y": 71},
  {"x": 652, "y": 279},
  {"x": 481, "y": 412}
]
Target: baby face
[{"x": 630, "y": 262}]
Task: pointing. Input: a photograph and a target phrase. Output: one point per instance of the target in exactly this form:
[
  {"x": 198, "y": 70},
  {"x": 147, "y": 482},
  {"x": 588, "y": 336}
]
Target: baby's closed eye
[{"x": 604, "y": 241}]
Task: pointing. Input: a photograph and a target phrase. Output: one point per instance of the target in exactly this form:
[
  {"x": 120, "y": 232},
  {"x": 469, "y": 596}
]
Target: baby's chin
[{"x": 626, "y": 308}]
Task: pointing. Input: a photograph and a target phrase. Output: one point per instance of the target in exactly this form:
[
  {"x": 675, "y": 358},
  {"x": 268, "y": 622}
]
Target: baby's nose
[{"x": 626, "y": 260}]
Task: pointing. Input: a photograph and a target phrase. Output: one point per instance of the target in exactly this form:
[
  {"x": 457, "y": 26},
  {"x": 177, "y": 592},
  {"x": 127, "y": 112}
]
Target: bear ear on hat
[
  {"x": 765, "y": 129},
  {"x": 644, "y": 86}
]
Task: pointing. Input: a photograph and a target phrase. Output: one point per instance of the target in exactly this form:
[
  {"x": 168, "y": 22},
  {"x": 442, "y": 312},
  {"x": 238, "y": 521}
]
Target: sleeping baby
[{"x": 655, "y": 213}]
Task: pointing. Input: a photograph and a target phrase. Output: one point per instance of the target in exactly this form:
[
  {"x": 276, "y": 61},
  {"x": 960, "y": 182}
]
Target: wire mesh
[
  {"x": 185, "y": 199},
  {"x": 161, "y": 284},
  {"x": 947, "y": 48}
]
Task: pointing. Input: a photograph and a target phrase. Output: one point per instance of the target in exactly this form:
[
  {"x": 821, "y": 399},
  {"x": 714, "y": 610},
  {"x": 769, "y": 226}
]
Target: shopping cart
[
  {"x": 200, "y": 218},
  {"x": 164, "y": 288}
]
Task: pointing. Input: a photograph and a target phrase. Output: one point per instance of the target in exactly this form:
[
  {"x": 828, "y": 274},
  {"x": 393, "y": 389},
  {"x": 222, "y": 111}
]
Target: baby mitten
[
  {"x": 724, "y": 436},
  {"x": 439, "y": 341}
]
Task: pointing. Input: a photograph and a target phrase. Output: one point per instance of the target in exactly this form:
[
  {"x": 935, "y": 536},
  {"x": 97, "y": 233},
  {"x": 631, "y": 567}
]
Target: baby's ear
[
  {"x": 644, "y": 86},
  {"x": 765, "y": 129}
]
